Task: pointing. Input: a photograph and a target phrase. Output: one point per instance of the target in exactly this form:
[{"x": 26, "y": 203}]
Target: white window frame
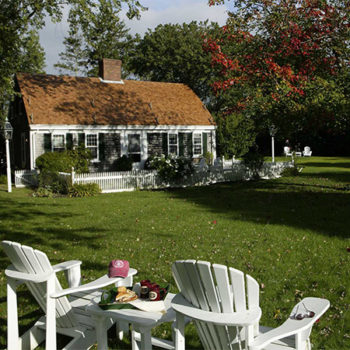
[
  {"x": 89, "y": 147},
  {"x": 196, "y": 155},
  {"x": 52, "y": 141},
  {"x": 173, "y": 144}
]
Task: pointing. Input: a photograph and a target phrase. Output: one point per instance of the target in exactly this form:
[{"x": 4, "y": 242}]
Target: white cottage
[{"x": 108, "y": 115}]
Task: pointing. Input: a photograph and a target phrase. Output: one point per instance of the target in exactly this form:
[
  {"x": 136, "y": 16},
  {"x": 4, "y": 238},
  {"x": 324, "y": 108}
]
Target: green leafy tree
[
  {"x": 174, "y": 53},
  {"x": 235, "y": 135},
  {"x": 18, "y": 18},
  {"x": 94, "y": 33}
]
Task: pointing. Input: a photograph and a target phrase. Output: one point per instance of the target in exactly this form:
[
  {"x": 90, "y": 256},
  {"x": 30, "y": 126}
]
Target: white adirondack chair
[
  {"x": 62, "y": 314},
  {"x": 225, "y": 309},
  {"x": 307, "y": 151},
  {"x": 287, "y": 151}
]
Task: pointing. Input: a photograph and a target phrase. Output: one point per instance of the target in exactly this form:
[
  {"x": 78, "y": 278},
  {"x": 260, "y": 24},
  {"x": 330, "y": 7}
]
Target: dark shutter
[
  {"x": 101, "y": 147},
  {"x": 69, "y": 141},
  {"x": 165, "y": 144},
  {"x": 189, "y": 145},
  {"x": 205, "y": 143},
  {"x": 181, "y": 144},
  {"x": 47, "y": 143},
  {"x": 81, "y": 139}
]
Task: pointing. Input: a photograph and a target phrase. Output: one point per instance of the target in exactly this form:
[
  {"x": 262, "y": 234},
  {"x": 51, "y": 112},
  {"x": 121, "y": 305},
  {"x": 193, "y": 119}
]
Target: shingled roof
[{"x": 64, "y": 100}]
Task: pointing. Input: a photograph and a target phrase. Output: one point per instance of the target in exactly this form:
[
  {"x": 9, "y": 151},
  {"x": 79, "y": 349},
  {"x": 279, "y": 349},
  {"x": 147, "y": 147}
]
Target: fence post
[{"x": 73, "y": 176}]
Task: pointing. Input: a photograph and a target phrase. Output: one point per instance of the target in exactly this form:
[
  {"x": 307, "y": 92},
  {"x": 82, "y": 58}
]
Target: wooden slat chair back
[
  {"x": 65, "y": 309},
  {"x": 224, "y": 305},
  {"x": 28, "y": 260},
  {"x": 218, "y": 289}
]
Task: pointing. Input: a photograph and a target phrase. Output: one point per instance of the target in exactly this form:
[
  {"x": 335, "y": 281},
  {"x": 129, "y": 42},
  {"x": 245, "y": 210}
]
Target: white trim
[
  {"x": 98, "y": 128},
  {"x": 111, "y": 81},
  {"x": 32, "y": 148},
  {"x": 58, "y": 134},
  {"x": 97, "y": 159},
  {"x": 127, "y": 144},
  {"x": 201, "y": 137},
  {"x": 177, "y": 142}
]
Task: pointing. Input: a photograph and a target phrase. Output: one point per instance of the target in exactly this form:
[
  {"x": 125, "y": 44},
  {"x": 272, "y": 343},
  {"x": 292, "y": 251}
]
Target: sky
[{"x": 159, "y": 12}]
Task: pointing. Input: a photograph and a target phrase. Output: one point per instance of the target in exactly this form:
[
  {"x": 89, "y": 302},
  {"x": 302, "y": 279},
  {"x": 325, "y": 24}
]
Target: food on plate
[{"x": 125, "y": 295}]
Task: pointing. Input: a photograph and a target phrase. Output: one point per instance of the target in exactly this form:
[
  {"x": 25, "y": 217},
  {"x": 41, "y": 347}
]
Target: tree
[
  {"x": 94, "y": 33},
  {"x": 285, "y": 62},
  {"x": 174, "y": 53},
  {"x": 18, "y": 18},
  {"x": 32, "y": 55}
]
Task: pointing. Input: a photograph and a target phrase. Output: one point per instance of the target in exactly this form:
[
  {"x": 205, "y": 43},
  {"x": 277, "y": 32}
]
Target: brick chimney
[{"x": 110, "y": 69}]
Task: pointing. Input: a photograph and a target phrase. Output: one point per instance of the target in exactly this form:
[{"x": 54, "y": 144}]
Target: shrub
[
  {"x": 290, "y": 172},
  {"x": 209, "y": 157},
  {"x": 172, "y": 168},
  {"x": 64, "y": 161},
  {"x": 3, "y": 179},
  {"x": 54, "y": 182},
  {"x": 84, "y": 190},
  {"x": 123, "y": 163},
  {"x": 254, "y": 160},
  {"x": 293, "y": 170},
  {"x": 51, "y": 163},
  {"x": 43, "y": 192},
  {"x": 149, "y": 164}
]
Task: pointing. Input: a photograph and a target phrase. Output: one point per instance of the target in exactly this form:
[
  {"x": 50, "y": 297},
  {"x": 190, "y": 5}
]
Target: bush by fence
[{"x": 149, "y": 179}]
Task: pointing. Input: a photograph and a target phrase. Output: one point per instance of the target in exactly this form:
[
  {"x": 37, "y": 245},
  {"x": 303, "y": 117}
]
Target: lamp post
[
  {"x": 273, "y": 131},
  {"x": 7, "y": 133}
]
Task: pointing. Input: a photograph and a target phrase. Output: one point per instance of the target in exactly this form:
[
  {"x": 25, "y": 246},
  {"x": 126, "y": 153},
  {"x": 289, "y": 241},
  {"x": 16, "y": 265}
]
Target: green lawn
[{"x": 291, "y": 234}]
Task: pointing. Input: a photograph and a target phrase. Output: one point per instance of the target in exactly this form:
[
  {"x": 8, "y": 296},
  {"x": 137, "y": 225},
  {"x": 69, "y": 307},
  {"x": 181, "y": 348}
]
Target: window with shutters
[
  {"x": 173, "y": 144},
  {"x": 92, "y": 145},
  {"x": 58, "y": 143},
  {"x": 197, "y": 144}
]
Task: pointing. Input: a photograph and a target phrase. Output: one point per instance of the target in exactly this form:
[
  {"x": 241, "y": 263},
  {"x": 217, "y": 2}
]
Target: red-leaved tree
[{"x": 285, "y": 62}]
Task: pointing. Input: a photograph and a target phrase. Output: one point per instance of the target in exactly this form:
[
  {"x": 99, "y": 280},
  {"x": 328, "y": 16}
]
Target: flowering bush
[{"x": 171, "y": 168}]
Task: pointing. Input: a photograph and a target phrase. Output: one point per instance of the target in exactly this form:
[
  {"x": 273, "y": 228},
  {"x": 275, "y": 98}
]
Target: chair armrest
[
  {"x": 27, "y": 277},
  {"x": 66, "y": 265},
  {"x": 97, "y": 284},
  {"x": 246, "y": 318},
  {"x": 292, "y": 326}
]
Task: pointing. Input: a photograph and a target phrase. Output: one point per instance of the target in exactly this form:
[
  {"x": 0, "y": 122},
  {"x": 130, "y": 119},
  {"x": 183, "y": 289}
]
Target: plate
[{"x": 115, "y": 306}]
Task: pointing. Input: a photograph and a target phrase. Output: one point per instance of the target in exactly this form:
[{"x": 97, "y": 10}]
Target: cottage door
[{"x": 134, "y": 148}]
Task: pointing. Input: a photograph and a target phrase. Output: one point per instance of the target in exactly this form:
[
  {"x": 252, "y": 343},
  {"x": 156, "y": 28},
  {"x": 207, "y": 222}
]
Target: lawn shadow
[{"x": 276, "y": 203}]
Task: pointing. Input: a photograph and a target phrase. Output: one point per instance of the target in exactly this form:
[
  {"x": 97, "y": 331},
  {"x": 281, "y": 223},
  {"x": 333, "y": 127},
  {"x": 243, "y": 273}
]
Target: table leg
[
  {"x": 134, "y": 342},
  {"x": 122, "y": 327},
  {"x": 145, "y": 342},
  {"x": 101, "y": 332}
]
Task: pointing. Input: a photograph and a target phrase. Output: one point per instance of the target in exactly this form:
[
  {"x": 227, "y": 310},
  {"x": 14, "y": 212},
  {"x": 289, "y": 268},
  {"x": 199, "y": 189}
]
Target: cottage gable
[{"x": 64, "y": 100}]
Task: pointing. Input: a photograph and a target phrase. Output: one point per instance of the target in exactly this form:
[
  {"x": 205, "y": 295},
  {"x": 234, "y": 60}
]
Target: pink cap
[{"x": 118, "y": 268}]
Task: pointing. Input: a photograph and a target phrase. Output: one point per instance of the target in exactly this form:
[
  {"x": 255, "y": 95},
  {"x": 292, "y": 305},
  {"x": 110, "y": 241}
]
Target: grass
[{"x": 291, "y": 234}]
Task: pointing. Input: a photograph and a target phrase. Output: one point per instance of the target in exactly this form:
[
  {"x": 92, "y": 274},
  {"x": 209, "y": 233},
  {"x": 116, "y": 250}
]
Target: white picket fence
[
  {"x": 148, "y": 179},
  {"x": 119, "y": 181},
  {"x": 26, "y": 178}
]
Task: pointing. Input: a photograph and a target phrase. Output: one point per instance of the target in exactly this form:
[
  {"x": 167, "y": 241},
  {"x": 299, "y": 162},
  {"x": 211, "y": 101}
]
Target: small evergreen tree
[{"x": 94, "y": 34}]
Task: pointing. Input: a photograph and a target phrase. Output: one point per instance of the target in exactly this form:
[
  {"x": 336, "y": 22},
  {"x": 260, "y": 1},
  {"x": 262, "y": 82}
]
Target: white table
[{"x": 142, "y": 323}]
